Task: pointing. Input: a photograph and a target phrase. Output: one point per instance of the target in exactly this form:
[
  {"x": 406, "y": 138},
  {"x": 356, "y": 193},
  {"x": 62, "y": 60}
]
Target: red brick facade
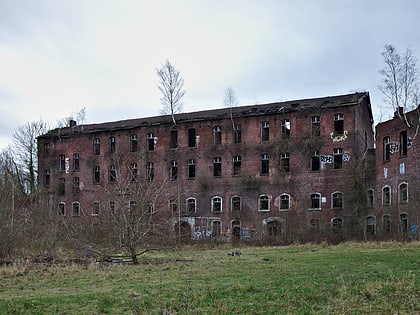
[{"x": 286, "y": 171}]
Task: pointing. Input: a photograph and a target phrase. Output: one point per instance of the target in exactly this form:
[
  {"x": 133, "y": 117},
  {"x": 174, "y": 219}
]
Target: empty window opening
[
  {"x": 338, "y": 158},
  {"x": 370, "y": 198},
  {"x": 216, "y": 204},
  {"x": 316, "y": 125},
  {"x": 96, "y": 174},
  {"x": 263, "y": 203},
  {"x": 173, "y": 207},
  {"x": 76, "y": 162},
  {"x": 386, "y": 224},
  {"x": 191, "y": 168},
  {"x": 96, "y": 146},
  {"x": 236, "y": 165},
  {"x": 386, "y": 196},
  {"x": 285, "y": 162},
  {"x": 387, "y": 149},
  {"x": 285, "y": 128},
  {"x": 284, "y": 202},
  {"x": 112, "y": 172},
  {"x": 236, "y": 229},
  {"x": 370, "y": 225},
  {"x": 264, "y": 164},
  {"x": 404, "y": 223},
  {"x": 62, "y": 161},
  {"x": 314, "y": 223},
  {"x": 216, "y": 228},
  {"x": 274, "y": 228},
  {"x": 173, "y": 142},
  {"x": 76, "y": 186},
  {"x": 217, "y": 135},
  {"x": 150, "y": 171},
  {"x": 134, "y": 169},
  {"x": 338, "y": 124},
  {"x": 112, "y": 144},
  {"x": 133, "y": 143},
  {"x": 75, "y": 209},
  {"x": 47, "y": 148},
  {"x": 315, "y": 201},
  {"x": 62, "y": 209},
  {"x": 47, "y": 177},
  {"x": 403, "y": 193},
  {"x": 173, "y": 173},
  {"x": 237, "y": 133},
  {"x": 265, "y": 131},
  {"x": 111, "y": 206},
  {"x": 337, "y": 200},
  {"x": 403, "y": 143},
  {"x": 315, "y": 161},
  {"x": 191, "y": 138},
  {"x": 95, "y": 210},
  {"x": 61, "y": 186},
  {"x": 217, "y": 166},
  {"x": 150, "y": 141},
  {"x": 337, "y": 225}
]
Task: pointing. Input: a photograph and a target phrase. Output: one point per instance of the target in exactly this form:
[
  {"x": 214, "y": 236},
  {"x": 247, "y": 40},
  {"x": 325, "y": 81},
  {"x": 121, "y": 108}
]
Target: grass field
[{"x": 310, "y": 279}]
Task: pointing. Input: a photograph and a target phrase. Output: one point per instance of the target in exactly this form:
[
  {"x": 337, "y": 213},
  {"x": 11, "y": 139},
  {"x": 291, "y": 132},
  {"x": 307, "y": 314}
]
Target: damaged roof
[{"x": 217, "y": 114}]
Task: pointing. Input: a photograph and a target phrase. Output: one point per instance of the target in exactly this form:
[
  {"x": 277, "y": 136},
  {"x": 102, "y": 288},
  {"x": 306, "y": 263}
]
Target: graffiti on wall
[
  {"x": 339, "y": 137},
  {"x": 329, "y": 159},
  {"x": 395, "y": 146}
]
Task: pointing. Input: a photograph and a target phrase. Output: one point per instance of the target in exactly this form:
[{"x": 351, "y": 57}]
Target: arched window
[
  {"x": 337, "y": 200},
  {"x": 402, "y": 192},
  {"x": 404, "y": 223},
  {"x": 263, "y": 203},
  {"x": 217, "y": 135},
  {"x": 387, "y": 148},
  {"x": 370, "y": 198},
  {"x": 62, "y": 209},
  {"x": 386, "y": 224},
  {"x": 284, "y": 203},
  {"x": 337, "y": 225},
  {"x": 236, "y": 203},
  {"x": 315, "y": 201},
  {"x": 370, "y": 225},
  {"x": 386, "y": 196},
  {"x": 216, "y": 204},
  {"x": 75, "y": 209},
  {"x": 191, "y": 205}
]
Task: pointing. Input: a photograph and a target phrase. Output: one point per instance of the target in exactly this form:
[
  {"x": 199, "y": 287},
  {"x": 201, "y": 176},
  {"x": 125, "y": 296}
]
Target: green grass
[{"x": 311, "y": 279}]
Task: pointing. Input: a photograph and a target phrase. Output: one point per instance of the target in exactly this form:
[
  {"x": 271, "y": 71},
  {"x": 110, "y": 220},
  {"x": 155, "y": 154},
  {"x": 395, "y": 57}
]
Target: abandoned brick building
[
  {"x": 288, "y": 171},
  {"x": 396, "y": 197}
]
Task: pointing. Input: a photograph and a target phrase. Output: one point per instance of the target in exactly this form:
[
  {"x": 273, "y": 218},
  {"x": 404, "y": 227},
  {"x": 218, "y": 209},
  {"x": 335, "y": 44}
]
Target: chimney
[{"x": 73, "y": 123}]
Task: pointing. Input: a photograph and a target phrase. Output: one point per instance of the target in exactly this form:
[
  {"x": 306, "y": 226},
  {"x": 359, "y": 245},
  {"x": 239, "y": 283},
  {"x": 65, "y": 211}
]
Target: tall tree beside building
[
  {"x": 171, "y": 86},
  {"x": 400, "y": 80}
]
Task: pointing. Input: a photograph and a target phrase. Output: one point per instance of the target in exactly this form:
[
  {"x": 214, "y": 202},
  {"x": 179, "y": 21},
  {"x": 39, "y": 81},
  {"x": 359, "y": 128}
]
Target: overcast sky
[{"x": 58, "y": 56}]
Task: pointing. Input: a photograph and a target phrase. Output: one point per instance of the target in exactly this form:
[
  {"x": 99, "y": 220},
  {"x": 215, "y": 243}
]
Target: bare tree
[
  {"x": 26, "y": 151},
  {"x": 80, "y": 117},
  {"x": 230, "y": 101},
  {"x": 400, "y": 83},
  {"x": 171, "y": 86}
]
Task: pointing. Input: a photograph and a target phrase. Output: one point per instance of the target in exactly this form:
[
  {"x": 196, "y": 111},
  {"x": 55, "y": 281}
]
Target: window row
[{"x": 402, "y": 194}]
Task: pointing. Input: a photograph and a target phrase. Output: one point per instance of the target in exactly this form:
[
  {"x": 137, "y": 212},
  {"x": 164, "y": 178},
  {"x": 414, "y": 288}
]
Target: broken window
[
  {"x": 338, "y": 158},
  {"x": 403, "y": 193},
  {"x": 112, "y": 174},
  {"x": 217, "y": 135},
  {"x": 236, "y": 165},
  {"x": 386, "y": 196},
  {"x": 337, "y": 200},
  {"x": 274, "y": 228},
  {"x": 75, "y": 209},
  {"x": 47, "y": 177},
  {"x": 134, "y": 169},
  {"x": 112, "y": 144},
  {"x": 370, "y": 225},
  {"x": 96, "y": 174},
  {"x": 191, "y": 205},
  {"x": 265, "y": 164},
  {"x": 404, "y": 223},
  {"x": 403, "y": 143},
  {"x": 237, "y": 133},
  {"x": 46, "y": 150},
  {"x": 284, "y": 202},
  {"x": 173, "y": 206},
  {"x": 95, "y": 210},
  {"x": 314, "y": 223},
  {"x": 133, "y": 143},
  {"x": 386, "y": 224},
  {"x": 387, "y": 149},
  {"x": 316, "y": 125},
  {"x": 285, "y": 128},
  {"x": 62, "y": 165},
  {"x": 217, "y": 166},
  {"x": 236, "y": 203},
  {"x": 216, "y": 228},
  {"x": 370, "y": 198},
  {"x": 76, "y": 186},
  {"x": 150, "y": 141},
  {"x": 111, "y": 206},
  {"x": 173, "y": 173},
  {"x": 150, "y": 207},
  {"x": 62, "y": 209},
  {"x": 96, "y": 146},
  {"x": 315, "y": 161},
  {"x": 315, "y": 201},
  {"x": 263, "y": 203},
  {"x": 61, "y": 186},
  {"x": 265, "y": 131},
  {"x": 338, "y": 124},
  {"x": 191, "y": 168},
  {"x": 216, "y": 204},
  {"x": 236, "y": 229},
  {"x": 173, "y": 141},
  {"x": 285, "y": 162},
  {"x": 191, "y": 138},
  {"x": 76, "y": 162},
  {"x": 337, "y": 225},
  {"x": 150, "y": 171}
]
